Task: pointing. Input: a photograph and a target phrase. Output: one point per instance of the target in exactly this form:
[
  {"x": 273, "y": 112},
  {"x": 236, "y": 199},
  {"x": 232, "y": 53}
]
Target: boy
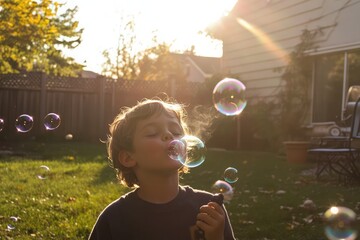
[{"x": 158, "y": 208}]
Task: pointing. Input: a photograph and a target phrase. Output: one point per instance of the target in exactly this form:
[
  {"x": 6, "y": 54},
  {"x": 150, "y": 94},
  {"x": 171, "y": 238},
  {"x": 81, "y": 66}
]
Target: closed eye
[
  {"x": 178, "y": 134},
  {"x": 151, "y": 134}
]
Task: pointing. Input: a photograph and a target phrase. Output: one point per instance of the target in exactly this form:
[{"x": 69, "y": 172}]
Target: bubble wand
[{"x": 199, "y": 233}]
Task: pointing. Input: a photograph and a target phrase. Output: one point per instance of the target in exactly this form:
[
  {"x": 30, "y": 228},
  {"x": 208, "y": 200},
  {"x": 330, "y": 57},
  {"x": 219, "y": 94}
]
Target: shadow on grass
[
  {"x": 39, "y": 150},
  {"x": 106, "y": 175}
]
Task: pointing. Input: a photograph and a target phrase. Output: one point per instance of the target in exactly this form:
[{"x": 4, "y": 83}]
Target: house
[
  {"x": 88, "y": 74},
  {"x": 258, "y": 35},
  {"x": 198, "y": 68}
]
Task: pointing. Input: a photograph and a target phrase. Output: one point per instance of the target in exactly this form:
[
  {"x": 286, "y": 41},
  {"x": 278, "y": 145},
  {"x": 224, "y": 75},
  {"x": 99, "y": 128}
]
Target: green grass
[{"x": 80, "y": 184}]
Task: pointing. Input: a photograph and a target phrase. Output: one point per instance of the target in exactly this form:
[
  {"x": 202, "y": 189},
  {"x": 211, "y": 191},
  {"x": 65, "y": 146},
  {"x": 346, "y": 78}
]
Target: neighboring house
[
  {"x": 257, "y": 36},
  {"x": 198, "y": 68},
  {"x": 88, "y": 74}
]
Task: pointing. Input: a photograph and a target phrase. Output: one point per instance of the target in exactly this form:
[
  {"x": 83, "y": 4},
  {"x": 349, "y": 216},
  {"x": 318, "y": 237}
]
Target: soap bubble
[
  {"x": 229, "y": 97},
  {"x": 69, "y": 136},
  {"x": 231, "y": 175},
  {"x": 189, "y": 150},
  {"x": 177, "y": 150},
  {"x": 52, "y": 121},
  {"x": 224, "y": 188},
  {"x": 43, "y": 172},
  {"x": 340, "y": 223},
  {"x": 24, "y": 123},
  {"x": 2, "y": 124},
  {"x": 11, "y": 225}
]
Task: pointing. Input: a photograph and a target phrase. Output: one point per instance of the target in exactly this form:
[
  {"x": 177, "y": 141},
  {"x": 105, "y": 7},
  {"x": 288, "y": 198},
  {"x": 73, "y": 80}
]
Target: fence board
[{"x": 86, "y": 105}]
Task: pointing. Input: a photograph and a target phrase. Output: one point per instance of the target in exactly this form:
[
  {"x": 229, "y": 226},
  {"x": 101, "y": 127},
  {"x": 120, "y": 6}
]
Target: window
[{"x": 333, "y": 76}]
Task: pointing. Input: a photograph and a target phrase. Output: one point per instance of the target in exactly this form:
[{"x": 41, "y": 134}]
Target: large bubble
[
  {"x": 229, "y": 97},
  {"x": 189, "y": 150},
  {"x": 340, "y": 223}
]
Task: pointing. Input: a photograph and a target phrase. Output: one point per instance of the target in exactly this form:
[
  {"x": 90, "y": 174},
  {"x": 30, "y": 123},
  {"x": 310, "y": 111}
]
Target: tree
[
  {"x": 294, "y": 99},
  {"x": 130, "y": 62},
  {"x": 158, "y": 63},
  {"x": 32, "y": 34},
  {"x": 126, "y": 56}
]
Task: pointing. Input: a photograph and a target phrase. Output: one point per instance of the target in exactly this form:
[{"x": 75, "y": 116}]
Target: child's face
[{"x": 151, "y": 143}]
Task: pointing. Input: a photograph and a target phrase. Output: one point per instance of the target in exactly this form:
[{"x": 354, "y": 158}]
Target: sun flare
[
  {"x": 186, "y": 15},
  {"x": 176, "y": 22}
]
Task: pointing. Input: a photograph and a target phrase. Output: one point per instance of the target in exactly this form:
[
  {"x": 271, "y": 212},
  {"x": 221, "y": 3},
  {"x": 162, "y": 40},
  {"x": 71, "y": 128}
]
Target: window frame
[{"x": 345, "y": 82}]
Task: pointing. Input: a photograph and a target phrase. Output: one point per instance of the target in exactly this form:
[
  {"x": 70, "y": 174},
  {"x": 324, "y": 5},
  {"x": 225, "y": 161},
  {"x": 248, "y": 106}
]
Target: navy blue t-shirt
[{"x": 131, "y": 218}]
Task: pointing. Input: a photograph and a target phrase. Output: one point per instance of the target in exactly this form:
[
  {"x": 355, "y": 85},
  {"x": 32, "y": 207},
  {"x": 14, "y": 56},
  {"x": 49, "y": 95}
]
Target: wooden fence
[{"x": 86, "y": 105}]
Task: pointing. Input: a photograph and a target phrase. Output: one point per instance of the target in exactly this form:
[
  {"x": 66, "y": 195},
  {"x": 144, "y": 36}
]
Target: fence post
[
  {"x": 43, "y": 81},
  {"x": 101, "y": 82},
  {"x": 113, "y": 92}
]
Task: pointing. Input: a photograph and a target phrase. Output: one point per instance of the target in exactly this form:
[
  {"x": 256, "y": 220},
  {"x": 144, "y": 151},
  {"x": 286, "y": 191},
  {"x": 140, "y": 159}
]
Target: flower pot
[{"x": 296, "y": 151}]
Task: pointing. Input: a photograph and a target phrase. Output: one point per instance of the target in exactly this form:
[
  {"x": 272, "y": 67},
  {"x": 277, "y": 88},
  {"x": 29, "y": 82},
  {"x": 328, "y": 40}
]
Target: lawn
[{"x": 64, "y": 204}]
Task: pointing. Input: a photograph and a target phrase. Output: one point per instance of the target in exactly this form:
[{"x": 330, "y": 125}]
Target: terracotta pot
[{"x": 296, "y": 151}]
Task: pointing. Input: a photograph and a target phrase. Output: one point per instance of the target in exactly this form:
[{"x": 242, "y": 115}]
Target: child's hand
[{"x": 211, "y": 220}]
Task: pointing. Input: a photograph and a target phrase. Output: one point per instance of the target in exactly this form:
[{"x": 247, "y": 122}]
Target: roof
[
  {"x": 89, "y": 74},
  {"x": 208, "y": 65}
]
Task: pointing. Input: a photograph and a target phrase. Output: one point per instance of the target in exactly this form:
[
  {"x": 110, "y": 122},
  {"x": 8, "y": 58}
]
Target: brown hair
[{"x": 122, "y": 132}]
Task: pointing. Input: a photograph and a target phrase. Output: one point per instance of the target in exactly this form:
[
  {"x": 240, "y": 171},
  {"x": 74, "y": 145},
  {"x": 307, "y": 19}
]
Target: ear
[{"x": 126, "y": 160}]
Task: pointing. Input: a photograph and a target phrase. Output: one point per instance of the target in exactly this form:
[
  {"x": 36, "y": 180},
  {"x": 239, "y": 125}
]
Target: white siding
[
  {"x": 346, "y": 33},
  {"x": 282, "y": 21}
]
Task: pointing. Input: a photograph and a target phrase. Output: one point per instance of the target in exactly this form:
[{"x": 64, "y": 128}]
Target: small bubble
[
  {"x": 52, "y": 121},
  {"x": 69, "y": 137},
  {"x": 43, "y": 172},
  {"x": 24, "y": 123},
  {"x": 11, "y": 225},
  {"x": 2, "y": 124},
  {"x": 231, "y": 175}
]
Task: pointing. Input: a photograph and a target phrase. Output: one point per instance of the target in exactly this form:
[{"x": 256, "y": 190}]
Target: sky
[{"x": 175, "y": 21}]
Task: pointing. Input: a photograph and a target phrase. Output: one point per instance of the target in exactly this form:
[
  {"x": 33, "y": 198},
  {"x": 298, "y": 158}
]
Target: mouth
[{"x": 176, "y": 150}]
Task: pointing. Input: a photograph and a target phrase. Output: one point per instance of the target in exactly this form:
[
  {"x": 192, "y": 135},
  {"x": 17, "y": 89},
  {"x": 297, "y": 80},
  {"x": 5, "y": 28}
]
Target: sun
[
  {"x": 176, "y": 22},
  {"x": 179, "y": 22}
]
